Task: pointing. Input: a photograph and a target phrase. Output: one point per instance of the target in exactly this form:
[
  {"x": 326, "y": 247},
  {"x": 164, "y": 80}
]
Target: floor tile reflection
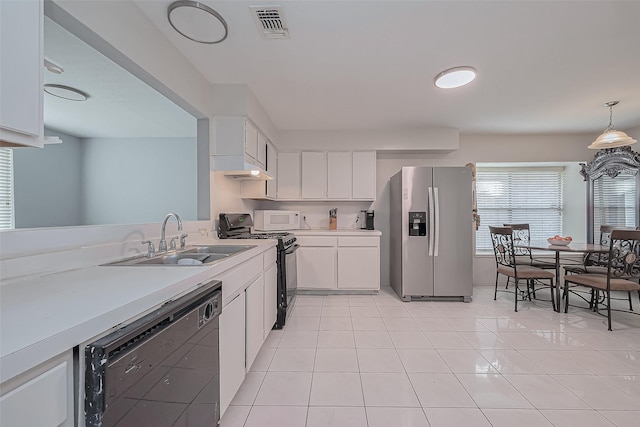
[{"x": 374, "y": 360}]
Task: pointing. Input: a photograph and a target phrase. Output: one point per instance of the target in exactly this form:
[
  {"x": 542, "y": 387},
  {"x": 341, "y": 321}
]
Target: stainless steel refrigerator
[{"x": 432, "y": 232}]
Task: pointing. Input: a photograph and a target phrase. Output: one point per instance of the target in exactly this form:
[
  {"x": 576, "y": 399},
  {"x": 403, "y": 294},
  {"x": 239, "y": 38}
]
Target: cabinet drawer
[
  {"x": 238, "y": 277},
  {"x": 270, "y": 257},
  {"x": 358, "y": 241},
  {"x": 41, "y": 402},
  {"x": 316, "y": 241}
]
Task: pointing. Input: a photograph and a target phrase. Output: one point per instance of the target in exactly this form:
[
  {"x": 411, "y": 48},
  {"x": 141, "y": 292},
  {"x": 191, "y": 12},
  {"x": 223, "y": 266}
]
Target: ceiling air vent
[{"x": 270, "y": 21}]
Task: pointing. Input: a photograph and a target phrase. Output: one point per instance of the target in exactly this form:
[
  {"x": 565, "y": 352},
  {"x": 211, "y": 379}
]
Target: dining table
[{"x": 573, "y": 247}]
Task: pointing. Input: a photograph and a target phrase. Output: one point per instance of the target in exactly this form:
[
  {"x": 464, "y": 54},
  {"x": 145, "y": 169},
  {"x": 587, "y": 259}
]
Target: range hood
[{"x": 237, "y": 167}]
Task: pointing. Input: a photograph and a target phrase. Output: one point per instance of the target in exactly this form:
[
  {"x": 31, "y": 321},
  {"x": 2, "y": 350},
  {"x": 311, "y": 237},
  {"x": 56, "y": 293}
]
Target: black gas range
[{"x": 238, "y": 226}]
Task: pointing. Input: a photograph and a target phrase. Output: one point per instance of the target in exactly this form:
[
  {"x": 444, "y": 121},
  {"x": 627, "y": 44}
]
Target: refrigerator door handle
[
  {"x": 437, "y": 225},
  {"x": 431, "y": 221}
]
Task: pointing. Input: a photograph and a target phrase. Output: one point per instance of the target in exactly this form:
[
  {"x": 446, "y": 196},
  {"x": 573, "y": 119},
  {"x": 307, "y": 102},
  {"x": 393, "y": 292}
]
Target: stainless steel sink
[
  {"x": 218, "y": 249},
  {"x": 198, "y": 259},
  {"x": 200, "y": 254}
]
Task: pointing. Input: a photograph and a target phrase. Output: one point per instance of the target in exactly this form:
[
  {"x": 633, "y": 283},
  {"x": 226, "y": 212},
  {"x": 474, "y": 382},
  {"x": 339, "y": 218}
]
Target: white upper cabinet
[
  {"x": 364, "y": 175},
  {"x": 262, "y": 150},
  {"x": 288, "y": 175},
  {"x": 339, "y": 175},
  {"x": 317, "y": 175},
  {"x": 251, "y": 140},
  {"x": 21, "y": 68},
  {"x": 314, "y": 175},
  {"x": 234, "y": 146},
  {"x": 272, "y": 169}
]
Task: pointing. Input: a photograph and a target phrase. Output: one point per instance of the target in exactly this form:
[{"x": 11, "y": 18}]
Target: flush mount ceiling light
[
  {"x": 611, "y": 138},
  {"x": 197, "y": 22},
  {"x": 51, "y": 66},
  {"x": 65, "y": 92},
  {"x": 455, "y": 77}
]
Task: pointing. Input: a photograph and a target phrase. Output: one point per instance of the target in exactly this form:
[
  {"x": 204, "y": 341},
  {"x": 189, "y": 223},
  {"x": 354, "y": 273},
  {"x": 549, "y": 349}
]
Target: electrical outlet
[{"x": 203, "y": 232}]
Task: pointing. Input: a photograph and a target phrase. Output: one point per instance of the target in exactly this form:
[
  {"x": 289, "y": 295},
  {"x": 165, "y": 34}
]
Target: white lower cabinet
[
  {"x": 316, "y": 260},
  {"x": 270, "y": 299},
  {"x": 254, "y": 296},
  {"x": 342, "y": 263},
  {"x": 251, "y": 289},
  {"x": 42, "y": 397},
  {"x": 232, "y": 349},
  {"x": 358, "y": 262}
]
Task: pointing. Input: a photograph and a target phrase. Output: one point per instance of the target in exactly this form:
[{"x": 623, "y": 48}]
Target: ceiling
[
  {"x": 543, "y": 66},
  {"x": 119, "y": 104}
]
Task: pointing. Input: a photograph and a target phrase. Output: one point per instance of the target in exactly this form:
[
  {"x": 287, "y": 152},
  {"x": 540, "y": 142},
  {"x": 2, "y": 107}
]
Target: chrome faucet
[{"x": 162, "y": 247}]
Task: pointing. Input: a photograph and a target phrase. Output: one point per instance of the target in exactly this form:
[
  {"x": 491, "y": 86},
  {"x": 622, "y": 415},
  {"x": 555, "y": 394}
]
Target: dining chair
[
  {"x": 521, "y": 233},
  {"x": 503, "y": 248},
  {"x": 596, "y": 262},
  {"x": 623, "y": 270}
]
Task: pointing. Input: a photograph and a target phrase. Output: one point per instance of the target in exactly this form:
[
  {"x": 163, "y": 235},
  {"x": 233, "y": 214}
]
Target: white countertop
[
  {"x": 43, "y": 316},
  {"x": 338, "y": 232}
]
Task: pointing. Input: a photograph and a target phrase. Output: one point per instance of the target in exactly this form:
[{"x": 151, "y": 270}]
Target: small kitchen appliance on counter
[
  {"x": 238, "y": 226},
  {"x": 362, "y": 220},
  {"x": 369, "y": 221},
  {"x": 274, "y": 220}
]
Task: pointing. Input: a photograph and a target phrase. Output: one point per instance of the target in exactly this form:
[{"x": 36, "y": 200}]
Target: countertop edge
[{"x": 30, "y": 356}]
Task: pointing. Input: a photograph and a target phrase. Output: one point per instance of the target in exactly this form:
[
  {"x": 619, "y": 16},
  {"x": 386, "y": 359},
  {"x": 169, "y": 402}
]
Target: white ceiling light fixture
[
  {"x": 455, "y": 77},
  {"x": 51, "y": 66},
  {"x": 197, "y": 21},
  {"x": 66, "y": 92},
  {"x": 611, "y": 138}
]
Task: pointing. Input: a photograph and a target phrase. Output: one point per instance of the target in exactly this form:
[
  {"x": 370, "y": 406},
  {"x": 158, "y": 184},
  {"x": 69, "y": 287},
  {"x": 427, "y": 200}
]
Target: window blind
[
  {"x": 6, "y": 189},
  {"x": 518, "y": 196},
  {"x": 614, "y": 202}
]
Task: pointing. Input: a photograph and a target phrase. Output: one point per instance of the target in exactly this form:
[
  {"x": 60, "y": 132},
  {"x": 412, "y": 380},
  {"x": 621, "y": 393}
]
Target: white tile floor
[{"x": 360, "y": 360}]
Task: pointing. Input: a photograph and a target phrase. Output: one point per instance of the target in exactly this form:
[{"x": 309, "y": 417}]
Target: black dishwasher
[{"x": 160, "y": 370}]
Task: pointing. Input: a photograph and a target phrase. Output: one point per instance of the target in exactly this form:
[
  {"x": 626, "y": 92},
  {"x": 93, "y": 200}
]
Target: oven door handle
[{"x": 292, "y": 249}]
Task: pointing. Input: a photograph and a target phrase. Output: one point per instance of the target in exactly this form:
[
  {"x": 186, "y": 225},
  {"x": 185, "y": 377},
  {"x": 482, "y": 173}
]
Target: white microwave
[{"x": 276, "y": 220}]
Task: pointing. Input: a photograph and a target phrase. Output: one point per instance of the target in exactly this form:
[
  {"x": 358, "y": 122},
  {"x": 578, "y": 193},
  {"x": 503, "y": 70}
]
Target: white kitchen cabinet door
[
  {"x": 316, "y": 267},
  {"x": 232, "y": 349},
  {"x": 364, "y": 175},
  {"x": 270, "y": 299},
  {"x": 251, "y": 140},
  {"x": 49, "y": 387},
  {"x": 254, "y": 300},
  {"x": 314, "y": 175},
  {"x": 339, "y": 175},
  {"x": 359, "y": 268},
  {"x": 21, "y": 68},
  {"x": 262, "y": 150},
  {"x": 272, "y": 169},
  {"x": 288, "y": 176}
]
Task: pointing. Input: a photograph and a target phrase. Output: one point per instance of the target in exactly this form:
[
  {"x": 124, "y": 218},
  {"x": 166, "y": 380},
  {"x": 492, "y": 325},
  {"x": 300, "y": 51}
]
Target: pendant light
[{"x": 611, "y": 138}]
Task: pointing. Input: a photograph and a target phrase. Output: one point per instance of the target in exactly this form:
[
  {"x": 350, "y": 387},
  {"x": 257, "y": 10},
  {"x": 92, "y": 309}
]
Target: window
[
  {"x": 614, "y": 202},
  {"x": 6, "y": 189},
  {"x": 513, "y": 195}
]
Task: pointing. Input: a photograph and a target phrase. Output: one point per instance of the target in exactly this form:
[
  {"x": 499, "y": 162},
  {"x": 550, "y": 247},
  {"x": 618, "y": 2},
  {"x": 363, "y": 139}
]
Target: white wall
[
  {"x": 473, "y": 148},
  {"x": 317, "y": 213},
  {"x": 442, "y": 140},
  {"x": 119, "y": 188},
  {"x": 48, "y": 184}
]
